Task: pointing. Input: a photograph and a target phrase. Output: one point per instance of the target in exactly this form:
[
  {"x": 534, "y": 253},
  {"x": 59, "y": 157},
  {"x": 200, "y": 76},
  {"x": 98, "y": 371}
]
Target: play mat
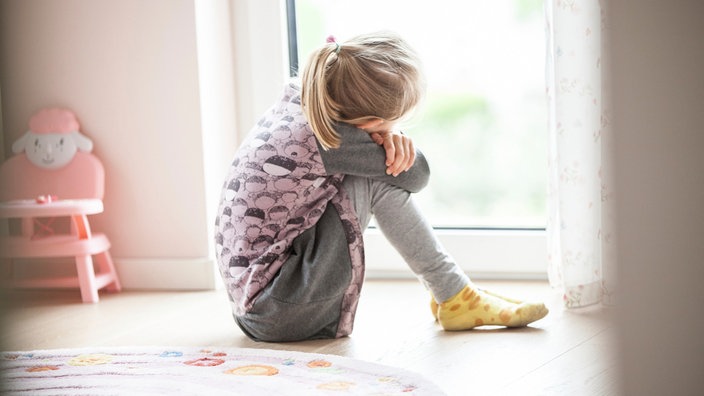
[{"x": 200, "y": 371}]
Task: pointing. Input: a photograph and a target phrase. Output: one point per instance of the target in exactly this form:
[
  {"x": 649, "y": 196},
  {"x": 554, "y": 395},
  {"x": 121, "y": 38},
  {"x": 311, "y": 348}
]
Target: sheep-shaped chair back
[{"x": 53, "y": 158}]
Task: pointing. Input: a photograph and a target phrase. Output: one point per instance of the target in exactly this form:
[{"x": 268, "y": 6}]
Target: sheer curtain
[{"x": 580, "y": 250}]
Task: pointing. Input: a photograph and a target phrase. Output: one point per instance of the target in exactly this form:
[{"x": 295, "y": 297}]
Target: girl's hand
[{"x": 400, "y": 153}]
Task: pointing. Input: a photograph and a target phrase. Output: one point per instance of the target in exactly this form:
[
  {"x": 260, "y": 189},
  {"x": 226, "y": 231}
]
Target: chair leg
[
  {"x": 106, "y": 266},
  {"x": 86, "y": 279}
]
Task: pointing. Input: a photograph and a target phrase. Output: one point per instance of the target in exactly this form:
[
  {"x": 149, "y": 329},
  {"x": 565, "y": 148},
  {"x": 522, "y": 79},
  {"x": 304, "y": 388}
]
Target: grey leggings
[
  {"x": 303, "y": 301},
  {"x": 405, "y": 227}
]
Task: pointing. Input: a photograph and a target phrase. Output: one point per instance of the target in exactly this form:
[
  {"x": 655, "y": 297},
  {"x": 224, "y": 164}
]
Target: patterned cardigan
[{"x": 278, "y": 186}]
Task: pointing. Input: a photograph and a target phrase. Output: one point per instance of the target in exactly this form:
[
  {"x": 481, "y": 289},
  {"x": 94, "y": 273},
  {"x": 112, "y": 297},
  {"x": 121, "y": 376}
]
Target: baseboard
[
  {"x": 134, "y": 273},
  {"x": 167, "y": 273}
]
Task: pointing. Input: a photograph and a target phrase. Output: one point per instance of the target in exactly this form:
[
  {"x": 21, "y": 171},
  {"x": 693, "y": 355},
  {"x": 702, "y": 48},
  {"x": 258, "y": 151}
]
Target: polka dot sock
[{"x": 473, "y": 307}]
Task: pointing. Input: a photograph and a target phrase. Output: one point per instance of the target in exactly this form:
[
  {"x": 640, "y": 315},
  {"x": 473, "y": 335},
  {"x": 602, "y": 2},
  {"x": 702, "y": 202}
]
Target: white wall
[
  {"x": 658, "y": 94},
  {"x": 130, "y": 71}
]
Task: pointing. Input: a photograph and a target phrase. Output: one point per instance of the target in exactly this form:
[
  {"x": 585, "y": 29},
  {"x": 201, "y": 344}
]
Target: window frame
[{"x": 484, "y": 253}]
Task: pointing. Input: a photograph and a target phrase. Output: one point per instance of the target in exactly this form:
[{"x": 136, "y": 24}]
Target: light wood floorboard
[{"x": 567, "y": 353}]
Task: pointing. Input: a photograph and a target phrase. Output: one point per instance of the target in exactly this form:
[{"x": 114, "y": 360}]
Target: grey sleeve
[{"x": 358, "y": 155}]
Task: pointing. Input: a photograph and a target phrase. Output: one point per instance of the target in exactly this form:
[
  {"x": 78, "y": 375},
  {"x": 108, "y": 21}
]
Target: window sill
[{"x": 482, "y": 253}]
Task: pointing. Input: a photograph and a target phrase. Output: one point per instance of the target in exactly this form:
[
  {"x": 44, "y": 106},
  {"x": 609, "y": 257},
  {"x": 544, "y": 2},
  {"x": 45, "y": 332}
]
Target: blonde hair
[{"x": 369, "y": 76}]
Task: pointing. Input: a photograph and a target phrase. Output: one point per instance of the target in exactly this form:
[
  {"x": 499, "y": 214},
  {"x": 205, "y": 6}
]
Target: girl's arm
[
  {"x": 400, "y": 153},
  {"x": 359, "y": 155}
]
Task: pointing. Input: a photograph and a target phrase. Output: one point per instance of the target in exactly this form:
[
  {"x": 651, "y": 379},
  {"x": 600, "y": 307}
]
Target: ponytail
[{"x": 320, "y": 109}]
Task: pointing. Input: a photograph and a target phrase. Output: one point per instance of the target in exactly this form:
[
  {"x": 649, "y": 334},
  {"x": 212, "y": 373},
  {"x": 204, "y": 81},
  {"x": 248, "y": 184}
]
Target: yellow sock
[
  {"x": 434, "y": 308},
  {"x": 434, "y": 305},
  {"x": 473, "y": 307}
]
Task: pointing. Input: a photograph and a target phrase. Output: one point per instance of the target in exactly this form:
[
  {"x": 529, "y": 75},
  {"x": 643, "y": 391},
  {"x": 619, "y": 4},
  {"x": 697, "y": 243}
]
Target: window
[
  {"x": 483, "y": 126},
  {"x": 503, "y": 238}
]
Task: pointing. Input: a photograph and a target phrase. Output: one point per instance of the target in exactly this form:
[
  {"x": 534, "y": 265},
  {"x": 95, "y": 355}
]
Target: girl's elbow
[{"x": 420, "y": 183}]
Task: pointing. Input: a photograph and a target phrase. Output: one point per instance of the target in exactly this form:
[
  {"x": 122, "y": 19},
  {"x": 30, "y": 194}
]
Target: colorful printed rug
[{"x": 200, "y": 371}]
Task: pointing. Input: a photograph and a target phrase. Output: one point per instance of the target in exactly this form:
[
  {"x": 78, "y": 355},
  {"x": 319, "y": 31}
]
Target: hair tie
[{"x": 331, "y": 39}]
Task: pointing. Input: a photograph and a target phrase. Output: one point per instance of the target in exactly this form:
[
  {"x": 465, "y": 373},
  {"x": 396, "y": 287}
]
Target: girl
[{"x": 304, "y": 185}]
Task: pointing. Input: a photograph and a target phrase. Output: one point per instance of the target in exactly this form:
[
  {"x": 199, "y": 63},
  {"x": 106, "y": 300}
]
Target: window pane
[{"x": 483, "y": 125}]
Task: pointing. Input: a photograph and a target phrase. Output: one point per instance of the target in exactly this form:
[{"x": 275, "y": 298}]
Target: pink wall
[{"x": 129, "y": 70}]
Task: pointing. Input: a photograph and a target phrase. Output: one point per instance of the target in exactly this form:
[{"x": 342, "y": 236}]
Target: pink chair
[{"x": 56, "y": 178}]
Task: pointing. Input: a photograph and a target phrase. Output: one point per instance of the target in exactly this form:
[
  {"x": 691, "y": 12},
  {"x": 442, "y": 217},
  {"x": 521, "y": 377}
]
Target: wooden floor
[{"x": 566, "y": 353}]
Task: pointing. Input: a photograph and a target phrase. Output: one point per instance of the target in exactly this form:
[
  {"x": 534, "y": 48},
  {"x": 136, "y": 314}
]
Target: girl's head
[{"x": 370, "y": 77}]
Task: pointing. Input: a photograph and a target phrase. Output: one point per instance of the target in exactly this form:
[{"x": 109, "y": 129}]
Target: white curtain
[{"x": 581, "y": 260}]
